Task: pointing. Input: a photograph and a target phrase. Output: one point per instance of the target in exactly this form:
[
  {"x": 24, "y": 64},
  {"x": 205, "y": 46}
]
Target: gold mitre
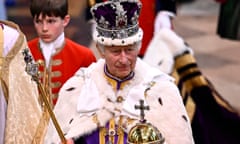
[{"x": 144, "y": 132}]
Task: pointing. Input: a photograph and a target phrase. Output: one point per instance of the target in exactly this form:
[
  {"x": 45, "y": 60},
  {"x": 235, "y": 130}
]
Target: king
[{"x": 97, "y": 104}]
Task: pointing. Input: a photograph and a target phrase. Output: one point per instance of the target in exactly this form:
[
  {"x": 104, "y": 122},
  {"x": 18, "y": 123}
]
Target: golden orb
[{"x": 145, "y": 133}]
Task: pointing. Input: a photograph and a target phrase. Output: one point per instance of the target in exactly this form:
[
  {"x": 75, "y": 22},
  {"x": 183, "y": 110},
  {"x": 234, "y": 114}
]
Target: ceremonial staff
[
  {"x": 32, "y": 70},
  {"x": 91, "y": 2}
]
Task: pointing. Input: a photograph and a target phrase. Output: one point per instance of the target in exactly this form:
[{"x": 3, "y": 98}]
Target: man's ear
[
  {"x": 100, "y": 50},
  {"x": 66, "y": 20}
]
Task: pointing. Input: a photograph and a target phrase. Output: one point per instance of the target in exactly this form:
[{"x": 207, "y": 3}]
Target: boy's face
[{"x": 50, "y": 27}]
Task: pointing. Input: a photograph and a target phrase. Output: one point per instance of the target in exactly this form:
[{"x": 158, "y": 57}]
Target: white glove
[{"x": 162, "y": 20}]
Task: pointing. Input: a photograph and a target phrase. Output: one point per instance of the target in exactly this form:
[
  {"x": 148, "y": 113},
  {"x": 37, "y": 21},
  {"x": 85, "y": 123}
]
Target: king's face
[{"x": 121, "y": 60}]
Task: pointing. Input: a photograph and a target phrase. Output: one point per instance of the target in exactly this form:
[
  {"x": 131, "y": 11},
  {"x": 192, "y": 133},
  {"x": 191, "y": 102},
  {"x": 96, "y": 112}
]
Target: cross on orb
[{"x": 141, "y": 107}]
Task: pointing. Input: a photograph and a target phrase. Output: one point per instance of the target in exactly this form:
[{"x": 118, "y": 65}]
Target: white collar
[{"x": 49, "y": 49}]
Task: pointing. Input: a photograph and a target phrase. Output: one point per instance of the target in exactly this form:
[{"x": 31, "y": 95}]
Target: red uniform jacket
[{"x": 63, "y": 64}]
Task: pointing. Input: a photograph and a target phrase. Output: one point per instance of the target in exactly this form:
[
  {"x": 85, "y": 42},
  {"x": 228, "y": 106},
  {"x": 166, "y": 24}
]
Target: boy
[{"x": 58, "y": 56}]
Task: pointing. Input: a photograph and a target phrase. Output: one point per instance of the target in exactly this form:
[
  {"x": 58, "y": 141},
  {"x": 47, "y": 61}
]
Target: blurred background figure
[
  {"x": 229, "y": 19},
  {"x": 10, "y": 3}
]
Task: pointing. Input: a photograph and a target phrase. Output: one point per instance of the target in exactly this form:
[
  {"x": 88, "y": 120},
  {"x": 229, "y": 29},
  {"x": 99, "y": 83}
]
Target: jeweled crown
[{"x": 117, "y": 19}]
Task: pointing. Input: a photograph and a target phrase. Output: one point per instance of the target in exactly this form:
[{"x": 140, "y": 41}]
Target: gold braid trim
[
  {"x": 189, "y": 84},
  {"x": 120, "y": 131},
  {"x": 196, "y": 81},
  {"x": 102, "y": 135},
  {"x": 184, "y": 59},
  {"x": 2, "y": 83},
  {"x": 111, "y": 131},
  {"x": 102, "y": 131},
  {"x": 190, "y": 107}
]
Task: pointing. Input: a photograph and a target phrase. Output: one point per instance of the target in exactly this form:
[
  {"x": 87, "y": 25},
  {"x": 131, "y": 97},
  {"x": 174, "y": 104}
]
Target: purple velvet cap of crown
[{"x": 117, "y": 19}]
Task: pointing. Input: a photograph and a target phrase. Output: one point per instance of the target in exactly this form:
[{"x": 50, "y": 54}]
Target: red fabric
[
  {"x": 71, "y": 57},
  {"x": 146, "y": 21}
]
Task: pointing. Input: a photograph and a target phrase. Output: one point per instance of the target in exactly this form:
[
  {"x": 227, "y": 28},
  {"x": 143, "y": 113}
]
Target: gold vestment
[{"x": 23, "y": 110}]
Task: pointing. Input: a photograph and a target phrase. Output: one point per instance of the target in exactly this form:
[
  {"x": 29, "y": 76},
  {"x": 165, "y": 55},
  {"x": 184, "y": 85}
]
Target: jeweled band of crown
[{"x": 118, "y": 34}]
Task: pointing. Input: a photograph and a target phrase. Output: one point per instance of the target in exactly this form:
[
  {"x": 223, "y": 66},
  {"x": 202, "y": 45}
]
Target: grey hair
[{"x": 101, "y": 47}]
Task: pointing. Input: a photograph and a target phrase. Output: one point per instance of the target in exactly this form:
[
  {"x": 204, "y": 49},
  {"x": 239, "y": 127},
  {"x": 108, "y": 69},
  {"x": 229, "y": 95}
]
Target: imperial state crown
[{"x": 117, "y": 22}]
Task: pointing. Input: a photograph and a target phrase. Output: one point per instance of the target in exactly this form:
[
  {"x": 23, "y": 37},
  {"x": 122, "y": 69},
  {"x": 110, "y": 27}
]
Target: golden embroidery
[
  {"x": 102, "y": 135},
  {"x": 57, "y": 62},
  {"x": 95, "y": 119},
  {"x": 113, "y": 131},
  {"x": 120, "y": 131},
  {"x": 54, "y": 96},
  {"x": 56, "y": 73},
  {"x": 150, "y": 84},
  {"x": 55, "y": 84},
  {"x": 40, "y": 62}
]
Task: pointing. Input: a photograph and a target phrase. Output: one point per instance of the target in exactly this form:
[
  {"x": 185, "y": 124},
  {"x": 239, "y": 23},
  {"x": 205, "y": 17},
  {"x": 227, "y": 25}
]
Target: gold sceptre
[
  {"x": 32, "y": 70},
  {"x": 91, "y": 2}
]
